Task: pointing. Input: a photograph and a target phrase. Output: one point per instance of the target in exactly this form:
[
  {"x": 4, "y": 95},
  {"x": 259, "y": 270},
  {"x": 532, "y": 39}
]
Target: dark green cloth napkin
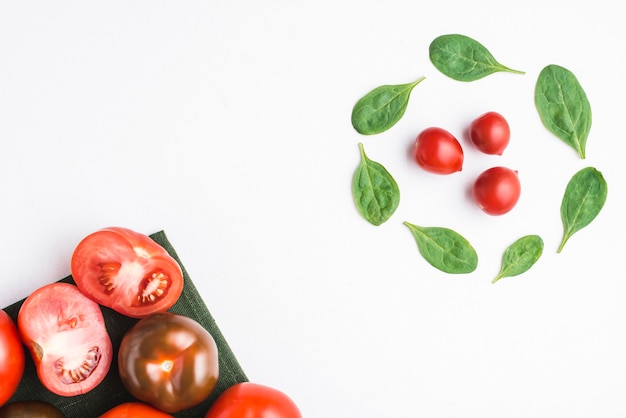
[{"x": 111, "y": 391}]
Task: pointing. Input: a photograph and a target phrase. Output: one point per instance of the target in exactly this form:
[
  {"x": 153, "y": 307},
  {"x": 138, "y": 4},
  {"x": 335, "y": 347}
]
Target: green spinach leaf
[
  {"x": 375, "y": 192},
  {"x": 444, "y": 249},
  {"x": 520, "y": 256},
  {"x": 563, "y": 106},
  {"x": 583, "y": 200},
  {"x": 382, "y": 108},
  {"x": 464, "y": 59}
]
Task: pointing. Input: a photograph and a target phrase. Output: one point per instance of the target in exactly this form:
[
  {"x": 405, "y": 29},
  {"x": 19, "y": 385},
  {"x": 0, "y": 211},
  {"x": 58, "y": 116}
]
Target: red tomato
[
  {"x": 67, "y": 338},
  {"x": 497, "y": 190},
  {"x": 251, "y": 400},
  {"x": 30, "y": 409},
  {"x": 169, "y": 361},
  {"x": 127, "y": 272},
  {"x": 134, "y": 410},
  {"x": 490, "y": 133},
  {"x": 11, "y": 357},
  {"x": 438, "y": 151}
]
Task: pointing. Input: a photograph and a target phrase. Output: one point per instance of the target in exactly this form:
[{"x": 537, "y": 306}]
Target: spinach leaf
[
  {"x": 444, "y": 249},
  {"x": 375, "y": 192},
  {"x": 382, "y": 108},
  {"x": 563, "y": 106},
  {"x": 463, "y": 58},
  {"x": 520, "y": 256},
  {"x": 583, "y": 200}
]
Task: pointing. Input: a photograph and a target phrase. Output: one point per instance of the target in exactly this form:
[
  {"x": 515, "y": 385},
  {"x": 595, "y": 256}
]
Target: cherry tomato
[
  {"x": 30, "y": 409},
  {"x": 169, "y": 361},
  {"x": 67, "y": 338},
  {"x": 134, "y": 410},
  {"x": 438, "y": 151},
  {"x": 11, "y": 357},
  {"x": 251, "y": 400},
  {"x": 490, "y": 133},
  {"x": 127, "y": 272},
  {"x": 497, "y": 190}
]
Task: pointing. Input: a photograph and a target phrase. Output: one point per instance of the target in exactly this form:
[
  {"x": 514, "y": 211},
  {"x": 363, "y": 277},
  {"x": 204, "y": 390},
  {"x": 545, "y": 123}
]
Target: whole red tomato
[
  {"x": 251, "y": 400},
  {"x": 438, "y": 151},
  {"x": 11, "y": 357},
  {"x": 490, "y": 133},
  {"x": 67, "y": 338},
  {"x": 30, "y": 409},
  {"x": 497, "y": 190},
  {"x": 134, "y": 410},
  {"x": 127, "y": 272},
  {"x": 169, "y": 361}
]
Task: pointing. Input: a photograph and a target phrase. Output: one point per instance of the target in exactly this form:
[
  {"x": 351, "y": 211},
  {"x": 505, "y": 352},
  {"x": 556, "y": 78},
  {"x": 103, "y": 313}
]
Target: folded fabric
[{"x": 111, "y": 391}]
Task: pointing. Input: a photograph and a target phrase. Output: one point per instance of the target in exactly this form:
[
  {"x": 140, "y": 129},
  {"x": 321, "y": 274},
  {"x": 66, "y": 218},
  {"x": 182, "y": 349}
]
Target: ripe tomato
[
  {"x": 30, "y": 409},
  {"x": 490, "y": 133},
  {"x": 11, "y": 357},
  {"x": 251, "y": 400},
  {"x": 169, "y": 361},
  {"x": 67, "y": 338},
  {"x": 134, "y": 410},
  {"x": 438, "y": 151},
  {"x": 127, "y": 272},
  {"x": 497, "y": 190}
]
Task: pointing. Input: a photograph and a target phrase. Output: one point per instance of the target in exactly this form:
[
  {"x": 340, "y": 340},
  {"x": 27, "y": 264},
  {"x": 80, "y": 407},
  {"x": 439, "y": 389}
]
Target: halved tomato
[
  {"x": 66, "y": 336},
  {"x": 126, "y": 271},
  {"x": 134, "y": 410}
]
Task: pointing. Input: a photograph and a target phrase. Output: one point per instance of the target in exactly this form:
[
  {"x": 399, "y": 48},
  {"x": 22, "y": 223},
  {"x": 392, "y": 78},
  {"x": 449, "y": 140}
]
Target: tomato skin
[
  {"x": 490, "y": 133},
  {"x": 30, "y": 409},
  {"x": 438, "y": 151},
  {"x": 67, "y": 338},
  {"x": 126, "y": 271},
  {"x": 134, "y": 410},
  {"x": 252, "y": 400},
  {"x": 169, "y": 361},
  {"x": 12, "y": 358},
  {"x": 497, "y": 190}
]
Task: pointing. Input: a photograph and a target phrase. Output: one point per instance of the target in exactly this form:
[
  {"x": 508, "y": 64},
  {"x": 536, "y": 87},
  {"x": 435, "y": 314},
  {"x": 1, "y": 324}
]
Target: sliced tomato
[
  {"x": 126, "y": 271},
  {"x": 66, "y": 336},
  {"x": 11, "y": 357},
  {"x": 134, "y": 410}
]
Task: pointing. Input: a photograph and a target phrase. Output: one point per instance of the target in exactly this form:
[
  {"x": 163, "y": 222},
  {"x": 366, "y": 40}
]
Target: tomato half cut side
[
  {"x": 65, "y": 333},
  {"x": 12, "y": 357},
  {"x": 134, "y": 410},
  {"x": 126, "y": 271}
]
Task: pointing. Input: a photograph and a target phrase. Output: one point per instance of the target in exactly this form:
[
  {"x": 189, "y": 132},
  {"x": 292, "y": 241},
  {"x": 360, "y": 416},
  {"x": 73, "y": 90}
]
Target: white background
[{"x": 227, "y": 124}]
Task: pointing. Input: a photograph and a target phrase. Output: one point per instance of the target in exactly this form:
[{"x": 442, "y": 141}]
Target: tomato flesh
[
  {"x": 490, "y": 133},
  {"x": 438, "y": 151},
  {"x": 169, "y": 361},
  {"x": 497, "y": 190},
  {"x": 127, "y": 272},
  {"x": 252, "y": 400},
  {"x": 66, "y": 336},
  {"x": 12, "y": 358}
]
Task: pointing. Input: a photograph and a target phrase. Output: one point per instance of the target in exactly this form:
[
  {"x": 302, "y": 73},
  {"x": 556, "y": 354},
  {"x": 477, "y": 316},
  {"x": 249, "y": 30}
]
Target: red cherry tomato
[
  {"x": 438, "y": 151},
  {"x": 490, "y": 133},
  {"x": 497, "y": 190},
  {"x": 127, "y": 272},
  {"x": 251, "y": 400},
  {"x": 67, "y": 338},
  {"x": 134, "y": 410},
  {"x": 169, "y": 361},
  {"x": 11, "y": 357},
  {"x": 30, "y": 409}
]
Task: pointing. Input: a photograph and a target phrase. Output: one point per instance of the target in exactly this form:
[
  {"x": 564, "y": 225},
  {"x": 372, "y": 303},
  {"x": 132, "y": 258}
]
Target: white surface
[{"x": 227, "y": 124}]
